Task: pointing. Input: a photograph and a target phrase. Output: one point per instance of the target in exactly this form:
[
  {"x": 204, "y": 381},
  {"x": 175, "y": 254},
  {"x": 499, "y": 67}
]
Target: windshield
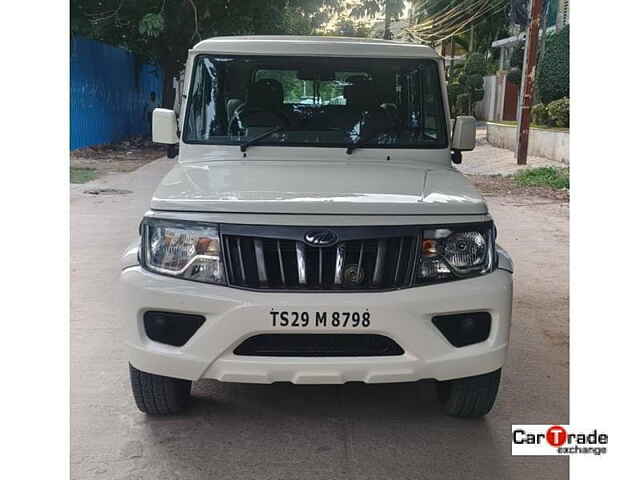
[{"x": 315, "y": 102}]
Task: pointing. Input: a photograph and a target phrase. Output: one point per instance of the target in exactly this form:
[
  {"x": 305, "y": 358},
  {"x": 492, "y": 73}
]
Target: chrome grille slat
[
  {"x": 227, "y": 254},
  {"x": 395, "y": 276},
  {"x": 282, "y": 277},
  {"x": 287, "y": 263},
  {"x": 340, "y": 251},
  {"x": 242, "y": 271},
  {"x": 381, "y": 251},
  {"x": 300, "y": 258},
  {"x": 262, "y": 269},
  {"x": 360, "y": 258}
]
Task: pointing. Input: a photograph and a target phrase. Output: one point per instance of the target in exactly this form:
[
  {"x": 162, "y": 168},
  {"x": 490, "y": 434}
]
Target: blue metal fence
[{"x": 109, "y": 93}]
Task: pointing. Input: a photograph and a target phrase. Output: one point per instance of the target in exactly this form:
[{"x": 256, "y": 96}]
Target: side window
[
  {"x": 201, "y": 118},
  {"x": 432, "y": 101},
  {"x": 419, "y": 98}
]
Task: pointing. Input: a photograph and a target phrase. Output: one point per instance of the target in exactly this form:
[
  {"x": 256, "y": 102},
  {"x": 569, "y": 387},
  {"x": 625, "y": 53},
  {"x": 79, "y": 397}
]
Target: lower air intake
[{"x": 318, "y": 345}]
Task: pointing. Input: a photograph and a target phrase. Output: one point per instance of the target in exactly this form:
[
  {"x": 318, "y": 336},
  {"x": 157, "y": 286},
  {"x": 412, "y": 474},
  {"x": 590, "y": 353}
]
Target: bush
[
  {"x": 517, "y": 56},
  {"x": 466, "y": 84},
  {"x": 540, "y": 114},
  {"x": 553, "y": 73},
  {"x": 453, "y": 90},
  {"x": 515, "y": 76},
  {"x": 559, "y": 112},
  {"x": 492, "y": 67},
  {"x": 462, "y": 104},
  {"x": 475, "y": 64},
  {"x": 551, "y": 177}
]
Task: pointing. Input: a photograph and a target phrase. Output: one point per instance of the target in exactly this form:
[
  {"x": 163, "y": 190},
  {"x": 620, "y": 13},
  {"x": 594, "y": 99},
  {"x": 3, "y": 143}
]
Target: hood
[{"x": 316, "y": 188}]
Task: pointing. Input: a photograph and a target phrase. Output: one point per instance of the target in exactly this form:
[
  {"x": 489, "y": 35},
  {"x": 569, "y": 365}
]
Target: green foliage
[
  {"x": 151, "y": 25},
  {"x": 471, "y": 79},
  {"x": 515, "y": 76},
  {"x": 559, "y": 112},
  {"x": 516, "y": 60},
  {"x": 373, "y": 8},
  {"x": 445, "y": 16},
  {"x": 550, "y": 177},
  {"x": 466, "y": 84},
  {"x": 392, "y": 9},
  {"x": 492, "y": 67},
  {"x": 454, "y": 90},
  {"x": 462, "y": 104},
  {"x": 348, "y": 27},
  {"x": 540, "y": 114},
  {"x": 475, "y": 64},
  {"x": 553, "y": 70}
]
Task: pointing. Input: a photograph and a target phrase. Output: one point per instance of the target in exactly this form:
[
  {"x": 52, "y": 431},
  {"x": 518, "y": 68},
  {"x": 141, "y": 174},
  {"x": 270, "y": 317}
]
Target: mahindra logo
[{"x": 321, "y": 238}]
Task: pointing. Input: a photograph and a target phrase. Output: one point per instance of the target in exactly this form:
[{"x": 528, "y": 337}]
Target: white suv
[{"x": 314, "y": 230}]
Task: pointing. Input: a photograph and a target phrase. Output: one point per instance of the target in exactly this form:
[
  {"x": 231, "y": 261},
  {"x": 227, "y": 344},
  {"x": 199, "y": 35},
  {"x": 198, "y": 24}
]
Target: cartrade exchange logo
[{"x": 557, "y": 440}]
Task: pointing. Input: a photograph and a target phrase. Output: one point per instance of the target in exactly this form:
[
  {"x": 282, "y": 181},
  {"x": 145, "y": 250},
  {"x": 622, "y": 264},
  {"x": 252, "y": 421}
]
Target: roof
[{"x": 314, "y": 46}]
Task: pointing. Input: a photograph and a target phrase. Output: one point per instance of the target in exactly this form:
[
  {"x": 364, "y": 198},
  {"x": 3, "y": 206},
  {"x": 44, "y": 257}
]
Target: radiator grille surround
[{"x": 279, "y": 258}]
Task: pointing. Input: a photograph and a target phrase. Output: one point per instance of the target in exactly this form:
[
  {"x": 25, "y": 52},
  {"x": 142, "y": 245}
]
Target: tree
[
  {"x": 471, "y": 24},
  {"x": 553, "y": 76},
  {"x": 372, "y": 8},
  {"x": 348, "y": 27},
  {"x": 516, "y": 62},
  {"x": 466, "y": 87},
  {"x": 163, "y": 31}
]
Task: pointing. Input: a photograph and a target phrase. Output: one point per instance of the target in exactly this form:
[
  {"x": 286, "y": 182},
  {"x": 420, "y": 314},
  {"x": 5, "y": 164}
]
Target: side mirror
[
  {"x": 464, "y": 134},
  {"x": 165, "y": 126}
]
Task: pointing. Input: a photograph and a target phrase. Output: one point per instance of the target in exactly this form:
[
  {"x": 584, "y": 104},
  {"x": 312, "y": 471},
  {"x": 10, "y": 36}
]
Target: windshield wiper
[
  {"x": 257, "y": 138},
  {"x": 363, "y": 141}
]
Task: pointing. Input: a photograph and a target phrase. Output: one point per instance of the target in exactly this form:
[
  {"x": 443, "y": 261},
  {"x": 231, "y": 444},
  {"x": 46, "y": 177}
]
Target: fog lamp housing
[
  {"x": 171, "y": 328},
  {"x": 462, "y": 329}
]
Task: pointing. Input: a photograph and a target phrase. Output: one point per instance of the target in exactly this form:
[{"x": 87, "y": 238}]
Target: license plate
[{"x": 304, "y": 319}]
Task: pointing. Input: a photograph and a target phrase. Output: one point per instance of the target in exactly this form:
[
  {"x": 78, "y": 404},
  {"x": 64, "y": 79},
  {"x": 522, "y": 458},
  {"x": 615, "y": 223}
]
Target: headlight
[
  {"x": 185, "y": 250},
  {"x": 449, "y": 253}
]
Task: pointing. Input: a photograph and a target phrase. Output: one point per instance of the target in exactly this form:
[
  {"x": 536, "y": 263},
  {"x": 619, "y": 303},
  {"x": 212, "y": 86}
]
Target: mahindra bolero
[{"x": 314, "y": 229}]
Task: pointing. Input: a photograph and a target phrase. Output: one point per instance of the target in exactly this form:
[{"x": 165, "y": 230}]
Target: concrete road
[{"x": 283, "y": 431}]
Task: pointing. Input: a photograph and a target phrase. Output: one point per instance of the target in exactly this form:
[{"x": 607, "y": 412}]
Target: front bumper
[{"x": 232, "y": 315}]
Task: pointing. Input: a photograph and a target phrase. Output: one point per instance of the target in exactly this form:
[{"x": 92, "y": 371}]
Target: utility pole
[{"x": 528, "y": 77}]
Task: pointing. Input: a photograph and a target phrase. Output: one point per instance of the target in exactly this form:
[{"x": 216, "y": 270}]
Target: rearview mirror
[
  {"x": 165, "y": 126},
  {"x": 464, "y": 134}
]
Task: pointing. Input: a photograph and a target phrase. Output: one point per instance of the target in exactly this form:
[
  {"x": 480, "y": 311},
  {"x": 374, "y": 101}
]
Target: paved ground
[{"x": 282, "y": 431}]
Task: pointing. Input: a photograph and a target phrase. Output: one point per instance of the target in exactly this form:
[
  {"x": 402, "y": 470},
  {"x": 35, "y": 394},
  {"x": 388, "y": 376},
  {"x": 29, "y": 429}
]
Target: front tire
[
  {"x": 469, "y": 397},
  {"x": 158, "y": 395}
]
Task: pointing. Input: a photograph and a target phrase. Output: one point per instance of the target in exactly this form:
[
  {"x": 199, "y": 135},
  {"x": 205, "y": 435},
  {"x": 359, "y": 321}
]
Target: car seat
[{"x": 264, "y": 106}]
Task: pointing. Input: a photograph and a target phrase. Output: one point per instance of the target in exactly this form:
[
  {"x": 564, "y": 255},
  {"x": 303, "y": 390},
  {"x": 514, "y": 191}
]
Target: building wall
[
  {"x": 551, "y": 144},
  {"x": 486, "y": 108},
  {"x": 110, "y": 89}
]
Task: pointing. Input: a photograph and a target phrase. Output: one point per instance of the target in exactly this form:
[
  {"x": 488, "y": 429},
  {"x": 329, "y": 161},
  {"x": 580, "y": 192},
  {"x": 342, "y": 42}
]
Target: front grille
[
  {"x": 279, "y": 259},
  {"x": 318, "y": 345}
]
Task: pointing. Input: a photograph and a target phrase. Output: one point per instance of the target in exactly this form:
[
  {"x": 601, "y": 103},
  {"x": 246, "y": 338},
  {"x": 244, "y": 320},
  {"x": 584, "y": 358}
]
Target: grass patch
[
  {"x": 550, "y": 177},
  {"x": 82, "y": 175}
]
